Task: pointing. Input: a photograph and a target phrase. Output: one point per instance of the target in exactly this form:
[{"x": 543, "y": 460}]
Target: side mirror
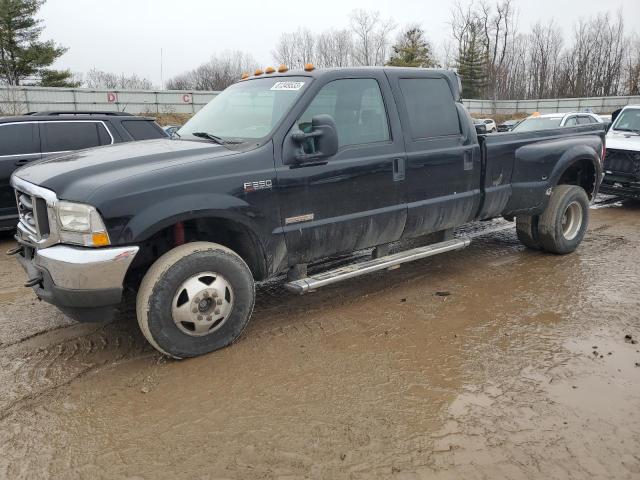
[
  {"x": 481, "y": 128},
  {"x": 322, "y": 140},
  {"x": 615, "y": 114}
]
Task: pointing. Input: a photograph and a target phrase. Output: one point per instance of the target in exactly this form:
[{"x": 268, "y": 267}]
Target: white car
[
  {"x": 622, "y": 162},
  {"x": 491, "y": 125},
  {"x": 556, "y": 120}
]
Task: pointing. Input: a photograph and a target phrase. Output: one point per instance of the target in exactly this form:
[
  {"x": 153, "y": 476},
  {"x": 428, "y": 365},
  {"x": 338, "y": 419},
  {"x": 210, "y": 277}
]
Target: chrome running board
[{"x": 355, "y": 270}]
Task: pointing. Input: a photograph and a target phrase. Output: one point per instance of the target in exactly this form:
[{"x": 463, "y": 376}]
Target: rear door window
[
  {"x": 19, "y": 139},
  {"x": 585, "y": 120},
  {"x": 143, "y": 129},
  {"x": 430, "y": 106},
  {"x": 70, "y": 135}
]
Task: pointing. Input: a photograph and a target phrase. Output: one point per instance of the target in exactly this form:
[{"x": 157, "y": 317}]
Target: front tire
[
  {"x": 564, "y": 222},
  {"x": 195, "y": 299}
]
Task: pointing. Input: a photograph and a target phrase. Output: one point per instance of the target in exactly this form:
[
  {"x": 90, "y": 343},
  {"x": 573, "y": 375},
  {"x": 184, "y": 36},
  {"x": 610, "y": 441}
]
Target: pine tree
[
  {"x": 412, "y": 50},
  {"x": 472, "y": 64},
  {"x": 22, "y": 55},
  {"x": 57, "y": 78}
]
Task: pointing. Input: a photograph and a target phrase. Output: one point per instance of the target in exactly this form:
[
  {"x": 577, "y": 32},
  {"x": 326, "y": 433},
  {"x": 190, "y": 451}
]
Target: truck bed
[{"x": 516, "y": 166}]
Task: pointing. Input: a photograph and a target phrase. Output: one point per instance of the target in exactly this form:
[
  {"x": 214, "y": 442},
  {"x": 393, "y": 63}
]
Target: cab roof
[{"x": 319, "y": 73}]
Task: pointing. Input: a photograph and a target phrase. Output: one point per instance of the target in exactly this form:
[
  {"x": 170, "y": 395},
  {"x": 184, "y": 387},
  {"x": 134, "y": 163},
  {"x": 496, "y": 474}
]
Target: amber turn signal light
[
  {"x": 244, "y": 75},
  {"x": 100, "y": 239},
  {"x": 269, "y": 70},
  {"x": 282, "y": 68},
  {"x": 258, "y": 72},
  {"x": 309, "y": 67}
]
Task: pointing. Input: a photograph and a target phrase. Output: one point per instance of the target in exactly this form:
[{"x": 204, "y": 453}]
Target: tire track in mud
[{"x": 38, "y": 365}]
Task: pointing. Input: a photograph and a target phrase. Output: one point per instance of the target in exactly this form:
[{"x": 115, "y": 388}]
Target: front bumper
[{"x": 77, "y": 279}]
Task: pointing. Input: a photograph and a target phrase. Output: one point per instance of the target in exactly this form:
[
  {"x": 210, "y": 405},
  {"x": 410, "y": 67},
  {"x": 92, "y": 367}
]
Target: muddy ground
[{"x": 492, "y": 362}]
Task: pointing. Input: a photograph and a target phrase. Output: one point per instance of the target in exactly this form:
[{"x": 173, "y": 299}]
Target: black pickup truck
[{"x": 281, "y": 170}]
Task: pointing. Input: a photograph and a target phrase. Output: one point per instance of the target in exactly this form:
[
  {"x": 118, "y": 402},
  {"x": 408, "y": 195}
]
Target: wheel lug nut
[
  {"x": 205, "y": 294},
  {"x": 197, "y": 300},
  {"x": 195, "y": 310},
  {"x": 199, "y": 317},
  {"x": 209, "y": 318},
  {"x": 214, "y": 294},
  {"x": 217, "y": 311},
  {"x": 219, "y": 301}
]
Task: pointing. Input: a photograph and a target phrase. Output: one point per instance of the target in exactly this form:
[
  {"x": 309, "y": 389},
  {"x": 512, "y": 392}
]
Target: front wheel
[
  {"x": 195, "y": 299},
  {"x": 564, "y": 222}
]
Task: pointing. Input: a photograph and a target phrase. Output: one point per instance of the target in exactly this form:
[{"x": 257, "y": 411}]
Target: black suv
[{"x": 38, "y": 135}]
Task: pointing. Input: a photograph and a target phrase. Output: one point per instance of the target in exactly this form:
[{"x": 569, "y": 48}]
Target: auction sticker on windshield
[{"x": 287, "y": 86}]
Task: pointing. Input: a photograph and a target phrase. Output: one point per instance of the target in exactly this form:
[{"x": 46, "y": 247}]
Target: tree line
[{"x": 495, "y": 59}]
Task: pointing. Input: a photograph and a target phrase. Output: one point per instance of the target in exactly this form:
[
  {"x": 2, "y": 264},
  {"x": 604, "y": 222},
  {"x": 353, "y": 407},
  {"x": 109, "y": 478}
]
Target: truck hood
[
  {"x": 77, "y": 175},
  {"x": 623, "y": 140}
]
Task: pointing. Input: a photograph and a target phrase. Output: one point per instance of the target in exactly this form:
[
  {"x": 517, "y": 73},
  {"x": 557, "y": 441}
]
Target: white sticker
[{"x": 287, "y": 86}]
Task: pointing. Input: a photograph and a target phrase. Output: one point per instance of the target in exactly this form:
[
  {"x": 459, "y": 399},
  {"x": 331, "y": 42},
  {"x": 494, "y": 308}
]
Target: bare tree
[
  {"x": 295, "y": 49},
  {"x": 100, "y": 79},
  {"x": 217, "y": 74},
  {"x": 632, "y": 67},
  {"x": 371, "y": 37},
  {"x": 334, "y": 49}
]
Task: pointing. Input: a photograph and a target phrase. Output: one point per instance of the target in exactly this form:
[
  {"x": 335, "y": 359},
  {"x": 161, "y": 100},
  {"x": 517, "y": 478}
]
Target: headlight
[{"x": 81, "y": 225}]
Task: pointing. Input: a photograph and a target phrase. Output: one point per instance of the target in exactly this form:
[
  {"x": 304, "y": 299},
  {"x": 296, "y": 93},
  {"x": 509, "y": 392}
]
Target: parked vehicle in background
[
  {"x": 279, "y": 171},
  {"x": 26, "y": 138},
  {"x": 491, "y": 125},
  {"x": 508, "y": 125},
  {"x": 622, "y": 162},
  {"x": 480, "y": 126},
  {"x": 556, "y": 120},
  {"x": 171, "y": 129}
]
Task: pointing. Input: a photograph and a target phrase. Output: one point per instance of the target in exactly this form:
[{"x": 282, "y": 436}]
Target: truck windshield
[
  {"x": 538, "y": 123},
  {"x": 245, "y": 111},
  {"x": 628, "y": 120}
]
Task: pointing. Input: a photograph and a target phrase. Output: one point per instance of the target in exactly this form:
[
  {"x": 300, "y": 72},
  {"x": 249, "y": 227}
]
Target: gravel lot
[{"x": 492, "y": 362}]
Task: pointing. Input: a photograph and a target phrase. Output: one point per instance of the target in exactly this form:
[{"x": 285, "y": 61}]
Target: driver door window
[{"x": 357, "y": 107}]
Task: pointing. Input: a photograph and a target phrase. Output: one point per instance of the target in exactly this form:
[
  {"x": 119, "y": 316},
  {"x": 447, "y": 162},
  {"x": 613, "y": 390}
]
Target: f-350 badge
[{"x": 258, "y": 185}]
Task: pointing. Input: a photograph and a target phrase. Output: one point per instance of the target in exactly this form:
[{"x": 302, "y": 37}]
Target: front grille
[
  {"x": 32, "y": 214},
  {"x": 622, "y": 162}
]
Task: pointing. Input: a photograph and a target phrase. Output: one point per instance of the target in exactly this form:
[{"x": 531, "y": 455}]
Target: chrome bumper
[{"x": 84, "y": 269}]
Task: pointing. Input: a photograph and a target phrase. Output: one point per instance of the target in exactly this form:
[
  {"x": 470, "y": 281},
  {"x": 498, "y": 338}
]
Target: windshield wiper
[
  {"x": 637, "y": 131},
  {"x": 210, "y": 136}
]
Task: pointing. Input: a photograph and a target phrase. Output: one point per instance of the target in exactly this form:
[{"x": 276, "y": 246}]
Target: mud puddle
[{"x": 382, "y": 377}]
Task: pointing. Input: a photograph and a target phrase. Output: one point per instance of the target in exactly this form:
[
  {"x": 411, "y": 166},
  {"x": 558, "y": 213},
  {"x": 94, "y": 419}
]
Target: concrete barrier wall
[
  {"x": 596, "y": 104},
  {"x": 17, "y": 100},
  {"x": 31, "y": 99}
]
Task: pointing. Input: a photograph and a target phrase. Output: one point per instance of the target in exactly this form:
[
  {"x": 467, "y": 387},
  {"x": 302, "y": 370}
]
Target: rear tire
[
  {"x": 195, "y": 299},
  {"x": 527, "y": 230},
  {"x": 563, "y": 224}
]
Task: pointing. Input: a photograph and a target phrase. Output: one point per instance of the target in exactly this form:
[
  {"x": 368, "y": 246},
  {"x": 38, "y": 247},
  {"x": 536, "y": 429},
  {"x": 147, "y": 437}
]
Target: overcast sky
[{"x": 125, "y": 36}]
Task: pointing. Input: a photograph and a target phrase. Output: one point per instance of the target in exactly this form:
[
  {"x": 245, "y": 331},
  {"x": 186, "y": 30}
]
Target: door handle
[
  {"x": 468, "y": 159},
  {"x": 398, "y": 169}
]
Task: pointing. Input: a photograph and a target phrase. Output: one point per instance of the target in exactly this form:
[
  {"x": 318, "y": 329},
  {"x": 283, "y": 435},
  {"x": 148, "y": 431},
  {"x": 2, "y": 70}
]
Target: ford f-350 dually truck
[{"x": 282, "y": 169}]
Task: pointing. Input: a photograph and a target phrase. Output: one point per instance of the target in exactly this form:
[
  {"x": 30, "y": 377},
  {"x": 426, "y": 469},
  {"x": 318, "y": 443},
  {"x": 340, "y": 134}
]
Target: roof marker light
[
  {"x": 282, "y": 68},
  {"x": 258, "y": 72},
  {"x": 309, "y": 67},
  {"x": 269, "y": 70},
  {"x": 244, "y": 75}
]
